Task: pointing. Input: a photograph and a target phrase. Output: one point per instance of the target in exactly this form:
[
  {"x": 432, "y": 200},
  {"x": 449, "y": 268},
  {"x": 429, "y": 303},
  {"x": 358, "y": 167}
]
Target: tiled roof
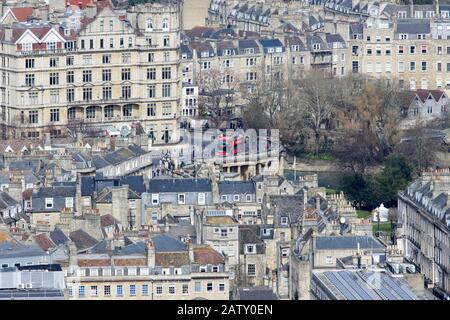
[
  {"x": 108, "y": 220},
  {"x": 171, "y": 259},
  {"x": 424, "y": 94},
  {"x": 206, "y": 255},
  {"x": 22, "y": 14},
  {"x": 43, "y": 241}
]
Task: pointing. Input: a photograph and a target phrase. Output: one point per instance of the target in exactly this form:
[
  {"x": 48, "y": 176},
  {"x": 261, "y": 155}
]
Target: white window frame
[
  {"x": 48, "y": 203},
  {"x": 155, "y": 198},
  {"x": 201, "y": 198},
  {"x": 183, "y": 196},
  {"x": 69, "y": 202}
]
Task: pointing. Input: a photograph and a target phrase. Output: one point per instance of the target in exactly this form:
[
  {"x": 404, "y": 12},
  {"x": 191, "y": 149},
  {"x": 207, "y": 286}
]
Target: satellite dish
[{"x": 342, "y": 220}]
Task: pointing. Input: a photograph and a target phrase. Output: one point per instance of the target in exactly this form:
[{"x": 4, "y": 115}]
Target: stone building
[
  {"x": 116, "y": 69},
  {"x": 160, "y": 268},
  {"x": 425, "y": 216}
]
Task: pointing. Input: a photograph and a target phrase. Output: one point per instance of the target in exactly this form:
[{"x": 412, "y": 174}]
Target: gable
[
  {"x": 8, "y": 18},
  {"x": 53, "y": 36},
  {"x": 27, "y": 37}
]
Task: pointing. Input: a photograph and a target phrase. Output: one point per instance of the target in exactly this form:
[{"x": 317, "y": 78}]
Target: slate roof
[
  {"x": 33, "y": 165},
  {"x": 256, "y": 293},
  {"x": 331, "y": 38},
  {"x": 413, "y": 26},
  {"x": 164, "y": 243},
  {"x": 270, "y": 43},
  {"x": 82, "y": 239},
  {"x": 58, "y": 237},
  {"x": 11, "y": 249},
  {"x": 179, "y": 185},
  {"x": 185, "y": 49},
  {"x": 6, "y": 201},
  {"x": 250, "y": 235},
  {"x": 247, "y": 44},
  {"x": 133, "y": 249},
  {"x": 236, "y": 187},
  {"x": 347, "y": 243},
  {"x": 356, "y": 28},
  {"x": 97, "y": 184},
  {"x": 118, "y": 156},
  {"x": 54, "y": 192},
  {"x": 290, "y": 206}
]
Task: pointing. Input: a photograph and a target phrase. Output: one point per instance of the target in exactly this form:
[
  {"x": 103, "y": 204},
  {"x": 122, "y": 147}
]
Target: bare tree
[
  {"x": 217, "y": 91},
  {"x": 317, "y": 102}
]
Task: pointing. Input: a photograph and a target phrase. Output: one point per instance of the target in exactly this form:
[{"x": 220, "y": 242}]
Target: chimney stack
[
  {"x": 8, "y": 33},
  {"x": 190, "y": 248},
  {"x": 150, "y": 253}
]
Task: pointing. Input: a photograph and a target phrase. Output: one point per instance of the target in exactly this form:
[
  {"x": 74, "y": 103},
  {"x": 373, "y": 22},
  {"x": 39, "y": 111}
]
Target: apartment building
[
  {"x": 160, "y": 268},
  {"x": 425, "y": 217},
  {"x": 407, "y": 44},
  {"x": 115, "y": 69}
]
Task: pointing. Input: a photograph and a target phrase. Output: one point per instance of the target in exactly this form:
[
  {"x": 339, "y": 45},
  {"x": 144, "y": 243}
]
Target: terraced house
[
  {"x": 114, "y": 69},
  {"x": 161, "y": 268},
  {"x": 425, "y": 213}
]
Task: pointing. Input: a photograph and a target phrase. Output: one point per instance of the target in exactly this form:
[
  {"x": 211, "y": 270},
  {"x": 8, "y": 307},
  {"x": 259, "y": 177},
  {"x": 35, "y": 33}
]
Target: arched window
[
  {"x": 165, "y": 24},
  {"x": 149, "y": 25}
]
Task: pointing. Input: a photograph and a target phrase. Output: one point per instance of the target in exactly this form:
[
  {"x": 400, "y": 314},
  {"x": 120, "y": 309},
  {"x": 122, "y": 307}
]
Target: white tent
[{"x": 382, "y": 211}]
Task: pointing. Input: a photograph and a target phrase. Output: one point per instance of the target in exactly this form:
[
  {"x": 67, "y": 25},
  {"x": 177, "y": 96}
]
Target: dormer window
[
  {"x": 165, "y": 271},
  {"x": 316, "y": 46},
  {"x": 403, "y": 36},
  {"x": 250, "y": 249},
  {"x": 49, "y": 203},
  {"x": 203, "y": 268},
  {"x": 401, "y": 14},
  {"x": 284, "y": 220},
  {"x": 236, "y": 197},
  {"x": 69, "y": 202},
  {"x": 181, "y": 198},
  {"x": 155, "y": 198},
  {"x": 444, "y": 14}
]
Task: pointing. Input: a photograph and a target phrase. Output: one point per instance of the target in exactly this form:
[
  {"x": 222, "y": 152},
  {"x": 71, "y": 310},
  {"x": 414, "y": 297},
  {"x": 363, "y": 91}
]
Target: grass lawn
[
  {"x": 321, "y": 156},
  {"x": 384, "y": 226},
  {"x": 332, "y": 191},
  {"x": 363, "y": 214}
]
